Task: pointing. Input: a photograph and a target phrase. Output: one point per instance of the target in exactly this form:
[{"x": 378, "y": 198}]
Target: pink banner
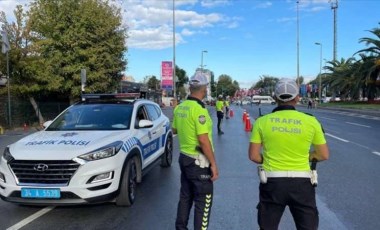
[{"x": 167, "y": 75}]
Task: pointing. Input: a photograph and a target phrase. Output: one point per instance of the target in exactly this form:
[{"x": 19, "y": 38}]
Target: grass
[{"x": 351, "y": 105}]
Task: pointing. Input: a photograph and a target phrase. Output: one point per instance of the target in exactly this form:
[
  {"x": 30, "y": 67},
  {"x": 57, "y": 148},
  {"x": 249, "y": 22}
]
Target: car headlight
[
  {"x": 104, "y": 152},
  {"x": 7, "y": 155}
]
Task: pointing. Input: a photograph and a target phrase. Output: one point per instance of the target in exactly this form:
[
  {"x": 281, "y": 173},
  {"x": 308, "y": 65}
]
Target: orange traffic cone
[
  {"x": 248, "y": 126},
  {"x": 244, "y": 116},
  {"x": 231, "y": 113}
]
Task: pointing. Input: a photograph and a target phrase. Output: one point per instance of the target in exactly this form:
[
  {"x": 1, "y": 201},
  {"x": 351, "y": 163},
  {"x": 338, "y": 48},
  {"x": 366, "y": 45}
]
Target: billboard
[{"x": 167, "y": 75}]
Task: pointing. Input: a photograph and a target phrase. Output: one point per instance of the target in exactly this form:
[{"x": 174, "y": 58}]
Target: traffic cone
[
  {"x": 248, "y": 126},
  {"x": 244, "y": 116},
  {"x": 231, "y": 113}
]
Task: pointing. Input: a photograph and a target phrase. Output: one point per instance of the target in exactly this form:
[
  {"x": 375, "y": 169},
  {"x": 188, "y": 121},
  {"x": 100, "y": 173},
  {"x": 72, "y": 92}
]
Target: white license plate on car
[{"x": 46, "y": 193}]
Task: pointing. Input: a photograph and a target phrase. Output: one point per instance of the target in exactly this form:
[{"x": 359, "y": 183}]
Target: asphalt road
[{"x": 347, "y": 194}]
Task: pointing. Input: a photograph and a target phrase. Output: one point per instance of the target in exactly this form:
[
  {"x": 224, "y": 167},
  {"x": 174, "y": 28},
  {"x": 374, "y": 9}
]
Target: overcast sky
[{"x": 245, "y": 39}]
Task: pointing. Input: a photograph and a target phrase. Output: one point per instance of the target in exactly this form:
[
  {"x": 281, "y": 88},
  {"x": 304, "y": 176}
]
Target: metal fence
[{"x": 23, "y": 113}]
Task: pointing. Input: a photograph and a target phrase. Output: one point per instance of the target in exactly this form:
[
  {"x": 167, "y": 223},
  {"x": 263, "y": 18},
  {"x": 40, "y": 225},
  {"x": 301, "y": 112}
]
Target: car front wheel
[
  {"x": 167, "y": 157},
  {"x": 127, "y": 193}
]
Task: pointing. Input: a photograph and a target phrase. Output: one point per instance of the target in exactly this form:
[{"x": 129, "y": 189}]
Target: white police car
[{"x": 95, "y": 151}]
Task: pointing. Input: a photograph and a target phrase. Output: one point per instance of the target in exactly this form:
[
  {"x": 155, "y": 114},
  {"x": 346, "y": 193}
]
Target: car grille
[{"x": 44, "y": 172}]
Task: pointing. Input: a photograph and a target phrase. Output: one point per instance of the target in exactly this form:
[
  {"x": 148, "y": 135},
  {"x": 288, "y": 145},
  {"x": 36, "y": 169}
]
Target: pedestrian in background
[
  {"x": 310, "y": 104},
  {"x": 285, "y": 175},
  {"x": 193, "y": 125},
  {"x": 219, "y": 113}
]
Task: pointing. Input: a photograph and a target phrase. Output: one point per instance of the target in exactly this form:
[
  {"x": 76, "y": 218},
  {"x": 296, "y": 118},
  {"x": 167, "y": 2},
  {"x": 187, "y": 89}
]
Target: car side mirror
[{"x": 145, "y": 124}]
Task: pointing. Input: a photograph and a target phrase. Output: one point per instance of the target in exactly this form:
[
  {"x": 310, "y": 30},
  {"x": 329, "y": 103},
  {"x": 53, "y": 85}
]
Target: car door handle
[{"x": 154, "y": 133}]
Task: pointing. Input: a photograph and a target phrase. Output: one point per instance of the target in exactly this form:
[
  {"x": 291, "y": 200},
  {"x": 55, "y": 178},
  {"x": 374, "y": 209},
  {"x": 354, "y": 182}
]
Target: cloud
[
  {"x": 214, "y": 3},
  {"x": 264, "y": 5},
  {"x": 187, "y": 32}
]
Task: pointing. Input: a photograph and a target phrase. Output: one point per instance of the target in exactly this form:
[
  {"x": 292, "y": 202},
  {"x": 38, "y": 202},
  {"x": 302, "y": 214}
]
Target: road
[{"x": 347, "y": 194}]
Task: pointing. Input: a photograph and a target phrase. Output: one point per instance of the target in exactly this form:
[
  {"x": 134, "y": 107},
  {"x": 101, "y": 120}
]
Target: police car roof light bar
[{"x": 89, "y": 97}]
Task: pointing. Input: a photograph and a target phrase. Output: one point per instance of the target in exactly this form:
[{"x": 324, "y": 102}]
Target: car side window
[
  {"x": 140, "y": 115},
  {"x": 152, "y": 111}
]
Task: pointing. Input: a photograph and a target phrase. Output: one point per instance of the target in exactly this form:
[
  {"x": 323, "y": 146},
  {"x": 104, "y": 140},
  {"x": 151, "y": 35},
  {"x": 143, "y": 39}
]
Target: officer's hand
[{"x": 214, "y": 172}]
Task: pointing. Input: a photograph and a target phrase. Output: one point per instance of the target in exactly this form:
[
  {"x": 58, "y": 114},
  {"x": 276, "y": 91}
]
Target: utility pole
[
  {"x": 174, "y": 75},
  {"x": 298, "y": 48},
  {"x": 334, "y": 7}
]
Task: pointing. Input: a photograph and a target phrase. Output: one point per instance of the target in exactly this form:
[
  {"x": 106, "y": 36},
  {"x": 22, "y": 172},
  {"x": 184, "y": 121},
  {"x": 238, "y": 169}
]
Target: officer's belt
[
  {"x": 290, "y": 174},
  {"x": 191, "y": 156}
]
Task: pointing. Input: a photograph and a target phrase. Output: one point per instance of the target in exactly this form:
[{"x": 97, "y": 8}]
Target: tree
[
  {"x": 225, "y": 86},
  {"x": 341, "y": 78},
  {"x": 74, "y": 34},
  {"x": 371, "y": 71},
  {"x": 153, "y": 82},
  {"x": 182, "y": 80},
  {"x": 267, "y": 84}
]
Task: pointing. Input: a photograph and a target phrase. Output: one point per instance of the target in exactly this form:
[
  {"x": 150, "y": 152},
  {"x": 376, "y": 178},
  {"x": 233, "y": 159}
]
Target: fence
[{"x": 22, "y": 112}]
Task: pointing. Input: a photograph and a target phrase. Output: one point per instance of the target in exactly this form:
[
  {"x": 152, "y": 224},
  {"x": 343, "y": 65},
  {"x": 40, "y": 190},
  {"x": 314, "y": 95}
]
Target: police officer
[
  {"x": 227, "y": 106},
  {"x": 286, "y": 179},
  {"x": 193, "y": 125},
  {"x": 219, "y": 106}
]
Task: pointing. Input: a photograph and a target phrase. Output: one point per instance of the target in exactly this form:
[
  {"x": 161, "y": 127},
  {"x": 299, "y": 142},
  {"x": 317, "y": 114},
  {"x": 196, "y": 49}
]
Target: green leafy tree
[
  {"x": 182, "y": 80},
  {"x": 267, "y": 84},
  {"x": 74, "y": 34},
  {"x": 153, "y": 82},
  {"x": 225, "y": 86}
]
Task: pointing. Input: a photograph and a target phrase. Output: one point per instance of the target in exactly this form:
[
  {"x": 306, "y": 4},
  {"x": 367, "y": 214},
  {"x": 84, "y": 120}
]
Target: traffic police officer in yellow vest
[
  {"x": 227, "y": 106},
  {"x": 219, "y": 106},
  {"x": 193, "y": 125},
  {"x": 286, "y": 179}
]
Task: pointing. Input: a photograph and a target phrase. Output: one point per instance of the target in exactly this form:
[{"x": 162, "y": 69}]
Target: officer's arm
[
  {"x": 254, "y": 153},
  {"x": 320, "y": 153}
]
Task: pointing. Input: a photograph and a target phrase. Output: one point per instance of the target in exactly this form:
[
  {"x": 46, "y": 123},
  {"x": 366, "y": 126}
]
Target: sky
[{"x": 245, "y": 39}]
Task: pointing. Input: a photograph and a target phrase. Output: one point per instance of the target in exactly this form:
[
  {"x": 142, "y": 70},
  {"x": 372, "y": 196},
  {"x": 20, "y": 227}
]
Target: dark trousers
[
  {"x": 197, "y": 188},
  {"x": 220, "y": 115},
  {"x": 296, "y": 193}
]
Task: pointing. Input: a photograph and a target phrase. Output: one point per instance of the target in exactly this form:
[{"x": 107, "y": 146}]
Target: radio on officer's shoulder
[{"x": 262, "y": 174}]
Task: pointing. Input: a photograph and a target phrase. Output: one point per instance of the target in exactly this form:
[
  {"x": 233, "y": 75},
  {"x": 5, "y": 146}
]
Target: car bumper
[{"x": 78, "y": 190}]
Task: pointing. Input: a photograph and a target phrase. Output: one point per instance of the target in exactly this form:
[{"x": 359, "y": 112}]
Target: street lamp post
[
  {"x": 203, "y": 51},
  {"x": 320, "y": 71}
]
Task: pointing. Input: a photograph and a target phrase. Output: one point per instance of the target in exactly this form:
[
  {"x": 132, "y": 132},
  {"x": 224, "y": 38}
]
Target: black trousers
[
  {"x": 220, "y": 115},
  {"x": 197, "y": 188},
  {"x": 296, "y": 193}
]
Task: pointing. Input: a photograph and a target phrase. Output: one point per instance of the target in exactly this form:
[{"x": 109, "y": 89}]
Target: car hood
[{"x": 63, "y": 145}]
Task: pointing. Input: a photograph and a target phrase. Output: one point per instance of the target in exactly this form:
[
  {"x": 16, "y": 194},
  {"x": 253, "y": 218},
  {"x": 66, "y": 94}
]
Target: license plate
[{"x": 52, "y": 193}]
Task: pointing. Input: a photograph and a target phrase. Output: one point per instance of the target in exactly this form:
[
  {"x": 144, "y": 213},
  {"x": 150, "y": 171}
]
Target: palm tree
[
  {"x": 371, "y": 63},
  {"x": 341, "y": 78}
]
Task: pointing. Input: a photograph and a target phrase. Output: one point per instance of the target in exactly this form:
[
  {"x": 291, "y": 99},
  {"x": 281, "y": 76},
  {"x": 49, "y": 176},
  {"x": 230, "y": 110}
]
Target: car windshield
[{"x": 94, "y": 117}]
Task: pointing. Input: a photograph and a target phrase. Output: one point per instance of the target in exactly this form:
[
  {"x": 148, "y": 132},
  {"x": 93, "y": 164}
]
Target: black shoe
[{"x": 220, "y": 132}]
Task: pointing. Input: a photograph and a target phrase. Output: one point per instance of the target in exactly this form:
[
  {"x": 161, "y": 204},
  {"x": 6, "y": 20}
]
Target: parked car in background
[{"x": 94, "y": 151}]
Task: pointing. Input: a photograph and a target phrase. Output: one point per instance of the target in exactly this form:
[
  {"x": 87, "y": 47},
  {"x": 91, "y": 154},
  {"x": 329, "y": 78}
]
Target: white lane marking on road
[
  {"x": 377, "y": 153},
  {"x": 31, "y": 218},
  {"x": 351, "y": 123},
  {"x": 328, "y": 134},
  {"x": 327, "y": 118}
]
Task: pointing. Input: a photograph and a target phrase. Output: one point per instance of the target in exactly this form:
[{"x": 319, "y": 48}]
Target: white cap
[
  {"x": 220, "y": 96},
  {"x": 198, "y": 79},
  {"x": 286, "y": 89}
]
